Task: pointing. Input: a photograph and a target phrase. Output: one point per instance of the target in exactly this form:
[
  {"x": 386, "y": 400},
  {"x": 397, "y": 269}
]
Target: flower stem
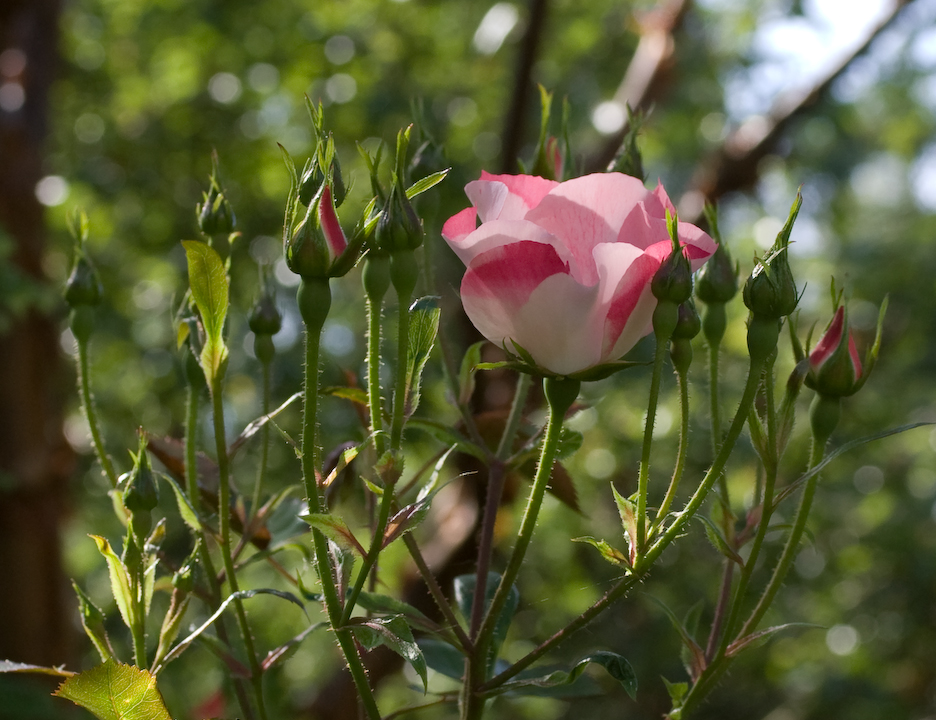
[
  {"x": 314, "y": 300},
  {"x": 722, "y": 661},
  {"x": 645, "y": 562},
  {"x": 204, "y": 554},
  {"x": 224, "y": 539},
  {"x": 643, "y": 476},
  {"x": 264, "y": 446},
  {"x": 680, "y": 453},
  {"x": 87, "y": 401},
  {"x": 560, "y": 394}
]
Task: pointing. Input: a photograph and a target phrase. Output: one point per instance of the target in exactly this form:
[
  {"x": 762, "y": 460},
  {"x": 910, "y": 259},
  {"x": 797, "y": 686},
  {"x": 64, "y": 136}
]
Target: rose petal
[
  {"x": 460, "y": 225},
  {"x": 559, "y": 326},
  {"x": 626, "y": 273},
  {"x": 504, "y": 232},
  {"x": 587, "y": 211},
  {"x": 503, "y": 278}
]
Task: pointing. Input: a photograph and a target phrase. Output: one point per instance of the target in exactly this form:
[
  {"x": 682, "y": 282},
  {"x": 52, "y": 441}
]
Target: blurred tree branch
[{"x": 735, "y": 164}]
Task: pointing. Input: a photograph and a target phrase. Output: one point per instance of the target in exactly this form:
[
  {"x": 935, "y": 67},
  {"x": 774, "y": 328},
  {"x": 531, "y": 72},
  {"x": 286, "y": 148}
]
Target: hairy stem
[
  {"x": 87, "y": 402},
  {"x": 643, "y": 477}
]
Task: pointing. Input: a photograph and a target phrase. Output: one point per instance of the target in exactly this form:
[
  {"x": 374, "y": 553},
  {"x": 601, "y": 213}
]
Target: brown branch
[
  {"x": 513, "y": 125},
  {"x": 646, "y": 72},
  {"x": 734, "y": 166}
]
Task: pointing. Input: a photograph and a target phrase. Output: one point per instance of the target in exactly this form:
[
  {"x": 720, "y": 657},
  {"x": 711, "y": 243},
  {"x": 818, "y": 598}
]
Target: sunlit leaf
[
  {"x": 209, "y": 284},
  {"x": 113, "y": 691}
]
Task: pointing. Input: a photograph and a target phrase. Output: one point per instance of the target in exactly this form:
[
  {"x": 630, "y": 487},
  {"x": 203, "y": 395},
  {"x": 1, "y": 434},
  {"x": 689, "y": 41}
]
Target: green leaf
[
  {"x": 395, "y": 633},
  {"x": 616, "y": 665},
  {"x": 423, "y": 328},
  {"x": 430, "y": 181},
  {"x": 465, "y": 585},
  {"x": 569, "y": 443},
  {"x": 113, "y": 691},
  {"x": 189, "y": 516},
  {"x": 386, "y": 605},
  {"x": 466, "y": 373},
  {"x": 120, "y": 582},
  {"x": 444, "y": 658},
  {"x": 209, "y": 285},
  {"x": 627, "y": 510},
  {"x": 335, "y": 529},
  {"x": 608, "y": 552},
  {"x": 92, "y": 620},
  {"x": 718, "y": 541},
  {"x": 406, "y": 520}
]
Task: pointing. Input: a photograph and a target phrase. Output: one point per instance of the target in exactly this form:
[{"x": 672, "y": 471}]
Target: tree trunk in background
[{"x": 34, "y": 460}]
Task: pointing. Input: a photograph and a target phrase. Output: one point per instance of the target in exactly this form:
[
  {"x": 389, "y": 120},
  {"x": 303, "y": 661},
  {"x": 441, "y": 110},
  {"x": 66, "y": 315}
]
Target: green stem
[
  {"x": 264, "y": 445},
  {"x": 722, "y": 661},
  {"x": 399, "y": 391},
  {"x": 314, "y": 298},
  {"x": 560, "y": 394},
  {"x": 224, "y": 539},
  {"x": 204, "y": 554},
  {"x": 644, "y": 563},
  {"x": 87, "y": 402},
  {"x": 680, "y": 454},
  {"x": 374, "y": 400},
  {"x": 715, "y": 412},
  {"x": 432, "y": 584},
  {"x": 644, "y": 475}
]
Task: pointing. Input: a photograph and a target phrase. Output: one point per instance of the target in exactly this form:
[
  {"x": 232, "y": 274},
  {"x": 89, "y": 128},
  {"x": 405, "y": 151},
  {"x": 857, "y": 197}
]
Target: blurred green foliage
[{"x": 150, "y": 87}]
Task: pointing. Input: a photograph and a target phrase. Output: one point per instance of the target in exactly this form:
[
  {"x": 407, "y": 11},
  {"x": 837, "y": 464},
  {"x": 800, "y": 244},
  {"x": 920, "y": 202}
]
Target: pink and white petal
[
  {"x": 500, "y": 281},
  {"x": 630, "y": 309},
  {"x": 587, "y": 211},
  {"x": 641, "y": 228},
  {"x": 526, "y": 192},
  {"x": 559, "y": 325},
  {"x": 497, "y": 233},
  {"x": 460, "y": 225},
  {"x": 488, "y": 197},
  {"x": 328, "y": 218}
]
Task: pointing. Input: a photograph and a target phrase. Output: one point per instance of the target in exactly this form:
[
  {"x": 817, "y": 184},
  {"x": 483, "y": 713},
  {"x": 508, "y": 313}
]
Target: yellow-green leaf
[
  {"x": 209, "y": 284},
  {"x": 114, "y": 691}
]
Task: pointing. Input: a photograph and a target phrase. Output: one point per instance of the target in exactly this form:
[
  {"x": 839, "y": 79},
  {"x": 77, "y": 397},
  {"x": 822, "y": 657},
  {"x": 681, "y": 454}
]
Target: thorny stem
[
  {"x": 560, "y": 395},
  {"x": 310, "y": 462},
  {"x": 264, "y": 446},
  {"x": 721, "y": 662},
  {"x": 644, "y": 475},
  {"x": 374, "y": 401},
  {"x": 87, "y": 400},
  {"x": 432, "y": 584},
  {"x": 224, "y": 539},
  {"x": 191, "y": 477},
  {"x": 680, "y": 454},
  {"x": 645, "y": 562}
]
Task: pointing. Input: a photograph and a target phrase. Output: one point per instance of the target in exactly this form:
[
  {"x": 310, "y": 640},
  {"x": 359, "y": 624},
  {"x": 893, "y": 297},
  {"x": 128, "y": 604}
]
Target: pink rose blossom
[{"x": 563, "y": 269}]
